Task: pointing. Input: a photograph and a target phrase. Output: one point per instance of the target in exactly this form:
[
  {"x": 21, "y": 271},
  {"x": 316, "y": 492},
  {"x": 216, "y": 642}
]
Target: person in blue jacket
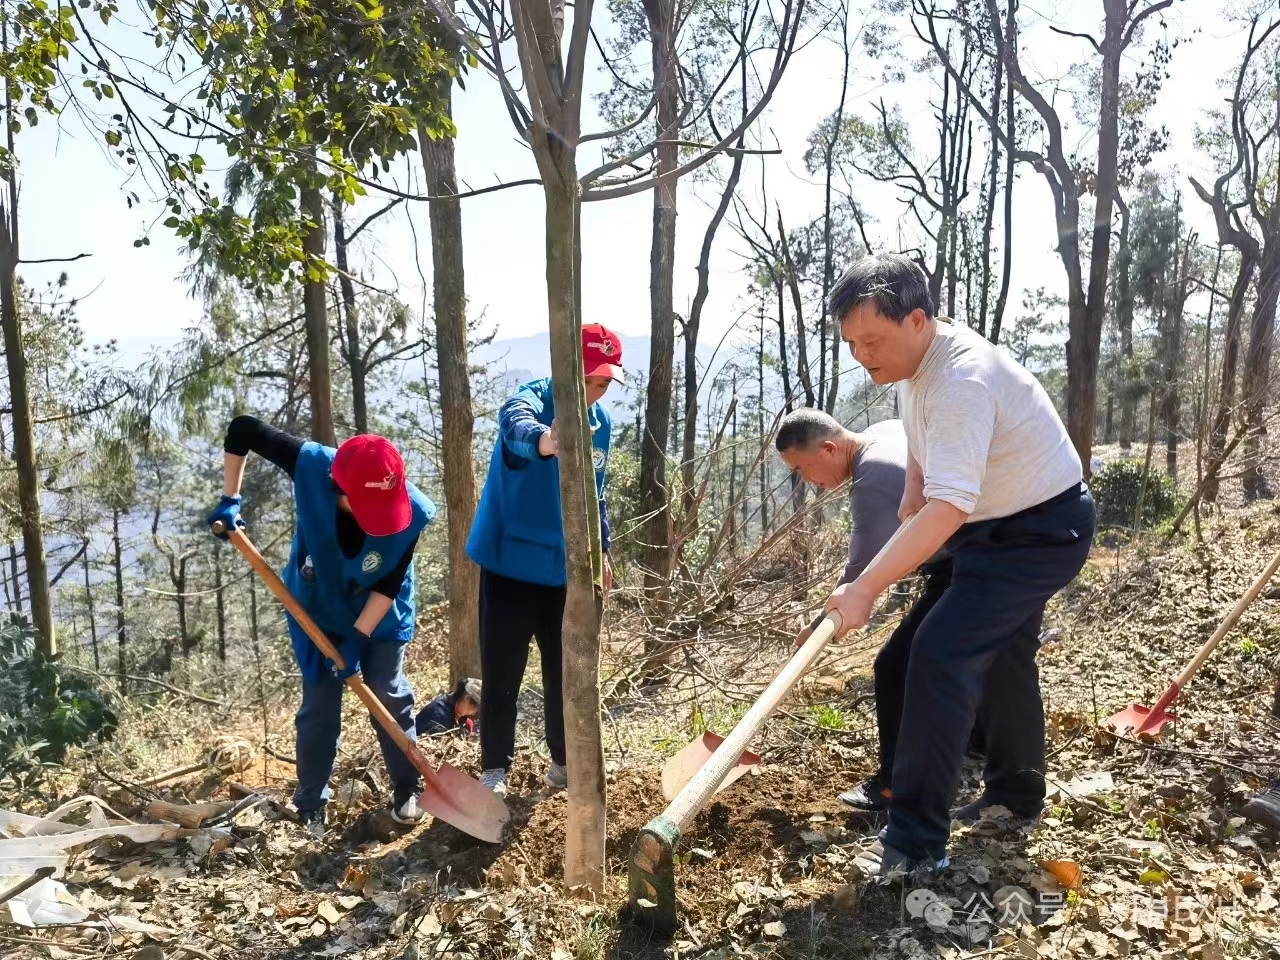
[
  {"x": 351, "y": 569},
  {"x": 517, "y": 540}
]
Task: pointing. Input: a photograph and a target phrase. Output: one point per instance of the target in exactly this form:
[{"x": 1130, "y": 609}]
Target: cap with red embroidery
[
  {"x": 602, "y": 353},
  {"x": 370, "y": 471}
]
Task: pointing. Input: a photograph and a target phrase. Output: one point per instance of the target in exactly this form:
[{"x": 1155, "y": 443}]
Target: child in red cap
[
  {"x": 351, "y": 569},
  {"x": 517, "y": 539}
]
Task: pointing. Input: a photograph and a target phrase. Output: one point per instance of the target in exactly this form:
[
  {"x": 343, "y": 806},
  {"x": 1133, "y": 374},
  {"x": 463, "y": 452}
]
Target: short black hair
[
  {"x": 893, "y": 281},
  {"x": 803, "y": 428}
]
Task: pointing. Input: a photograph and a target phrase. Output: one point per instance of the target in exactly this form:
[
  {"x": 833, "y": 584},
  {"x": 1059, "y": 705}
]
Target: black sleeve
[
  {"x": 389, "y": 586},
  {"x": 247, "y": 435}
]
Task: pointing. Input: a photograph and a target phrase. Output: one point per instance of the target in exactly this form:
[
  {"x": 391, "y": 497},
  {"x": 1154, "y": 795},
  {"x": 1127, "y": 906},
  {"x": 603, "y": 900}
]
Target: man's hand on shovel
[{"x": 853, "y": 603}]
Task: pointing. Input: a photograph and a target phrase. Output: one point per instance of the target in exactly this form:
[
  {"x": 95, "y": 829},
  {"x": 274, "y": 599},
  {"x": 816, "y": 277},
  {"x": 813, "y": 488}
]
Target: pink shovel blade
[
  {"x": 1140, "y": 721},
  {"x": 680, "y": 769},
  {"x": 450, "y": 795}
]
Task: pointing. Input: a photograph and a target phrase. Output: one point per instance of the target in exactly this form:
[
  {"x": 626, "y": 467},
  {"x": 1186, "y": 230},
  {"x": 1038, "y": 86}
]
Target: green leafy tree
[{"x": 310, "y": 100}]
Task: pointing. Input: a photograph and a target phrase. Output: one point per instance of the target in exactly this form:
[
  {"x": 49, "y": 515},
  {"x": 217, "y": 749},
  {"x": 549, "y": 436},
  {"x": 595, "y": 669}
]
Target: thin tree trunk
[
  {"x": 457, "y": 414},
  {"x": 316, "y": 313},
  {"x": 691, "y": 331},
  {"x": 654, "y": 496},
  {"x": 1130, "y": 382},
  {"x": 797, "y": 304},
  {"x": 118, "y": 556},
  {"x": 16, "y": 578},
  {"x": 764, "y": 488},
  {"x": 24, "y": 443},
  {"x": 351, "y": 320},
  {"x": 1172, "y": 395},
  {"x": 997, "y": 81},
  {"x": 1230, "y": 370},
  {"x": 88, "y": 596},
  {"x": 1257, "y": 370},
  {"x": 783, "y": 365},
  {"x": 997, "y": 318},
  {"x": 220, "y": 601}
]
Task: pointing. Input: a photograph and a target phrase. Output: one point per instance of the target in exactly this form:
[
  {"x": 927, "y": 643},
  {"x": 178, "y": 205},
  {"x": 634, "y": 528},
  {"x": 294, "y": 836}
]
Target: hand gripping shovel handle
[{"x": 706, "y": 781}]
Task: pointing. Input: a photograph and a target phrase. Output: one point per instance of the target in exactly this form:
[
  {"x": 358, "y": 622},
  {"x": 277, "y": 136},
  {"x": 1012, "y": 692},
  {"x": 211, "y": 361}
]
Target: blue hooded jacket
[{"x": 517, "y": 531}]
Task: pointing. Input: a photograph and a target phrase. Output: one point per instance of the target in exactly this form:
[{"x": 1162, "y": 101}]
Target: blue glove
[
  {"x": 227, "y": 511},
  {"x": 349, "y": 648}
]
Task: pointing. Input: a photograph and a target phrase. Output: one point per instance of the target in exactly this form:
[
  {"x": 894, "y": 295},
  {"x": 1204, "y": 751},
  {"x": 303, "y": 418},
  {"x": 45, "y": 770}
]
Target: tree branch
[
  {"x": 78, "y": 256},
  {"x": 1133, "y": 25},
  {"x": 1079, "y": 36},
  {"x": 372, "y": 217}
]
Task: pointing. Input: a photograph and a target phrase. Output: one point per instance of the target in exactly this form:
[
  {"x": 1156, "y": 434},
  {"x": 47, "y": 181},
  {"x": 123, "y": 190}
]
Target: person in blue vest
[
  {"x": 517, "y": 540},
  {"x": 351, "y": 568}
]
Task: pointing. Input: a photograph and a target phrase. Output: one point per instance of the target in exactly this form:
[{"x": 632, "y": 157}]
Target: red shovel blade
[
  {"x": 450, "y": 795},
  {"x": 1140, "y": 721},
  {"x": 680, "y": 769}
]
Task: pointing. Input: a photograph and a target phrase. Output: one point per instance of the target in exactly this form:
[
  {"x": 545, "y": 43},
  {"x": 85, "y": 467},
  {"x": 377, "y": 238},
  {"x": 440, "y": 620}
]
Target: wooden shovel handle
[
  {"x": 707, "y": 780},
  {"x": 1225, "y": 627},
  {"x": 276, "y": 586}
]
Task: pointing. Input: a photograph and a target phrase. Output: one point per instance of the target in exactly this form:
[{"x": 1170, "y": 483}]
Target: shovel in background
[
  {"x": 652, "y": 882},
  {"x": 1139, "y": 720},
  {"x": 448, "y": 794}
]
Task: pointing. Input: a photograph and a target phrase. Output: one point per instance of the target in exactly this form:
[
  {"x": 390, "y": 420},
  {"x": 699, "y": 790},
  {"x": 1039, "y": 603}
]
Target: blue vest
[
  {"x": 518, "y": 531},
  {"x": 332, "y": 588}
]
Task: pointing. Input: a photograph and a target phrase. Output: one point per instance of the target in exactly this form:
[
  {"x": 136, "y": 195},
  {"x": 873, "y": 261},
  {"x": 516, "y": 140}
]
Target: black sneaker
[
  {"x": 870, "y": 797},
  {"x": 1264, "y": 809},
  {"x": 312, "y": 821},
  {"x": 971, "y": 813},
  {"x": 884, "y": 862}
]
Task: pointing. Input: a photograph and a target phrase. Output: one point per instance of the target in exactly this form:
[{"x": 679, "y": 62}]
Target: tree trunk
[
  {"x": 351, "y": 319},
  {"x": 764, "y": 488},
  {"x": 653, "y": 457},
  {"x": 797, "y": 304},
  {"x": 1230, "y": 370},
  {"x": 988, "y": 223},
  {"x": 118, "y": 556},
  {"x": 1257, "y": 370},
  {"x": 1130, "y": 382},
  {"x": 783, "y": 364},
  {"x": 316, "y": 313},
  {"x": 456, "y": 413},
  {"x": 997, "y": 318},
  {"x": 88, "y": 596},
  {"x": 24, "y": 443},
  {"x": 828, "y": 255},
  {"x": 15, "y": 578},
  {"x": 584, "y": 847},
  {"x": 1172, "y": 399},
  {"x": 1086, "y": 327},
  {"x": 219, "y": 601},
  {"x": 691, "y": 329}
]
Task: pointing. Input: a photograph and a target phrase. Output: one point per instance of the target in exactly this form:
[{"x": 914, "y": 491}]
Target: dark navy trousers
[
  {"x": 319, "y": 724},
  {"x": 975, "y": 647}
]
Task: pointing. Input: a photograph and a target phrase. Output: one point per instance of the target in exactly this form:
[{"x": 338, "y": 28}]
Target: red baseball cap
[
  {"x": 601, "y": 353},
  {"x": 370, "y": 471}
]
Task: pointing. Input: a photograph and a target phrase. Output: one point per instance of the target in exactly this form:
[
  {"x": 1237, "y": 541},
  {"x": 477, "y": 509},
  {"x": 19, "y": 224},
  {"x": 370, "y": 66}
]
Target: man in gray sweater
[{"x": 826, "y": 454}]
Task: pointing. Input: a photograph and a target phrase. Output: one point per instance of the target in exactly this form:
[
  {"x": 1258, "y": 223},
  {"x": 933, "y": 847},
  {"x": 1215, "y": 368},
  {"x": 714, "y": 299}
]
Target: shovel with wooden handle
[
  {"x": 1139, "y": 720},
  {"x": 449, "y": 794},
  {"x": 652, "y": 868}
]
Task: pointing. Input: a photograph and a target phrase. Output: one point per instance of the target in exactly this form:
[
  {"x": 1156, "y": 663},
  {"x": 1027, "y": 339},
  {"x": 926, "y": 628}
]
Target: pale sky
[{"x": 72, "y": 198}]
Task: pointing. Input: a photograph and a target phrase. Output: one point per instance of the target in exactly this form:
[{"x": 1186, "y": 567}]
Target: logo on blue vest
[
  {"x": 371, "y": 562},
  {"x": 598, "y": 458}
]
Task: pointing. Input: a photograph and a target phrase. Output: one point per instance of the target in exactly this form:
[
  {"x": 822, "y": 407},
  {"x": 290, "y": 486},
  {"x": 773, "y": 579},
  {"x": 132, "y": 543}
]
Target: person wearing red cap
[
  {"x": 351, "y": 568},
  {"x": 517, "y": 539}
]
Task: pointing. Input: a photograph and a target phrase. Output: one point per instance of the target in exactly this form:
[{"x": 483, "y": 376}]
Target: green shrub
[
  {"x": 43, "y": 710},
  {"x": 1116, "y": 488}
]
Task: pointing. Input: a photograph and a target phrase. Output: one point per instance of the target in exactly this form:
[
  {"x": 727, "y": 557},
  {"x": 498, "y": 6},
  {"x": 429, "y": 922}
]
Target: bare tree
[
  {"x": 1086, "y": 302},
  {"x": 1242, "y": 165}
]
